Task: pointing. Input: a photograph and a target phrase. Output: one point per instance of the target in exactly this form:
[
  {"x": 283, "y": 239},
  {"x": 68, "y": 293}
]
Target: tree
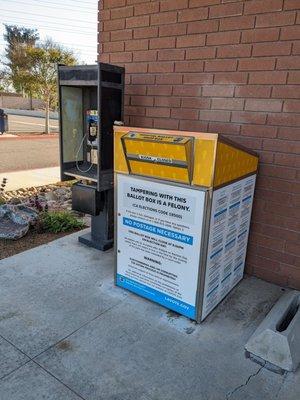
[
  {"x": 31, "y": 65},
  {"x": 5, "y": 83},
  {"x": 18, "y": 40},
  {"x": 40, "y": 75}
]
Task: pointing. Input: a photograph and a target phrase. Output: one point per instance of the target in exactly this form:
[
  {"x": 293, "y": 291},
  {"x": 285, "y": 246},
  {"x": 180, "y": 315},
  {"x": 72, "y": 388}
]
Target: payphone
[
  {"x": 91, "y": 137},
  {"x": 91, "y": 100}
]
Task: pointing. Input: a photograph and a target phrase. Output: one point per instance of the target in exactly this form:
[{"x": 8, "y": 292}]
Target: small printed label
[
  {"x": 155, "y": 159},
  {"x": 158, "y": 137}
]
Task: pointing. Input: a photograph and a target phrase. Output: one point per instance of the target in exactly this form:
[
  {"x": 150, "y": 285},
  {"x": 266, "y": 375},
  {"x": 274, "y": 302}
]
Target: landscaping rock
[
  {"x": 49, "y": 196},
  {"x": 55, "y": 196},
  {"x": 15, "y": 200},
  {"x": 15, "y": 220},
  {"x": 52, "y": 204},
  {"x": 63, "y": 194}
]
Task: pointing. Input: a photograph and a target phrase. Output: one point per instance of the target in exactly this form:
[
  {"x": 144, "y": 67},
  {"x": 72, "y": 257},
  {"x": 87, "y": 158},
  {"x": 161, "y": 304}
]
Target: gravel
[{"x": 55, "y": 197}]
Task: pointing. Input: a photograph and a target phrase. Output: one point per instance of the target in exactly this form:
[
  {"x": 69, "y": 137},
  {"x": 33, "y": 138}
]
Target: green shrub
[{"x": 60, "y": 221}]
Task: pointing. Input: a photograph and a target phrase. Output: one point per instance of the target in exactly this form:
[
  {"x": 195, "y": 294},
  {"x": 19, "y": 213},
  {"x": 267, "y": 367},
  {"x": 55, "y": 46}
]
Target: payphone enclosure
[{"x": 90, "y": 101}]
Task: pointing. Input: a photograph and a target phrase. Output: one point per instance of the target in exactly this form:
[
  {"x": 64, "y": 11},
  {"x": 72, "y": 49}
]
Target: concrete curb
[{"x": 277, "y": 339}]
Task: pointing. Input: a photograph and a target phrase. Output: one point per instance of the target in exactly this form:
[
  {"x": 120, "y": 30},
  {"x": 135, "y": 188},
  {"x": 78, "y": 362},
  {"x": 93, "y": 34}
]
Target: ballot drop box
[{"x": 183, "y": 204}]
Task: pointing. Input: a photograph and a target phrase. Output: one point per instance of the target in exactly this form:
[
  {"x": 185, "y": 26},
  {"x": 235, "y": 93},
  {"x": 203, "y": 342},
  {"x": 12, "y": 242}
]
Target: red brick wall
[{"x": 230, "y": 67}]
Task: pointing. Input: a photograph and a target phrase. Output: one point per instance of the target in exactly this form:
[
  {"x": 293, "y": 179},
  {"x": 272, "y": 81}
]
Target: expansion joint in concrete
[
  {"x": 76, "y": 330},
  {"x": 21, "y": 351},
  {"x": 30, "y": 359},
  {"x": 60, "y": 381},
  {"x": 33, "y": 359},
  {"x": 14, "y": 370}
]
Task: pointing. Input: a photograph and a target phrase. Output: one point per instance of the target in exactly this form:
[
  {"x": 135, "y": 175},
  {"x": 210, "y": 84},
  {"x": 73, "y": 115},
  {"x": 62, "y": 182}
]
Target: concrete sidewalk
[
  {"x": 31, "y": 177},
  {"x": 67, "y": 333},
  {"x": 8, "y": 136}
]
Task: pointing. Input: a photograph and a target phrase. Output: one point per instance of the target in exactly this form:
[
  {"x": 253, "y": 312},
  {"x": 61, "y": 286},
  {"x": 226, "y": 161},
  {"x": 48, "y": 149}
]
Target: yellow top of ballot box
[{"x": 200, "y": 159}]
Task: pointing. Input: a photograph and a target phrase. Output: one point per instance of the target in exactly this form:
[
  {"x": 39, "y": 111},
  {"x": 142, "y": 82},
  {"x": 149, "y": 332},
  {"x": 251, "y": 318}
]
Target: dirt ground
[{"x": 32, "y": 239}]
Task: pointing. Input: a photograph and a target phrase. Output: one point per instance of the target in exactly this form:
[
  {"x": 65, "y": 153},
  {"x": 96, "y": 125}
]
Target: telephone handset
[
  {"x": 92, "y": 127},
  {"x": 92, "y": 141}
]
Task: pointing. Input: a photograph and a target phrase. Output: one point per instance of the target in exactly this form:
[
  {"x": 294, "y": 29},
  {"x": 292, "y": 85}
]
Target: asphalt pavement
[
  {"x": 22, "y": 123},
  {"x": 28, "y": 152}
]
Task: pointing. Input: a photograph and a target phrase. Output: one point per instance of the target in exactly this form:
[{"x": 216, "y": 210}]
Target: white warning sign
[{"x": 159, "y": 230}]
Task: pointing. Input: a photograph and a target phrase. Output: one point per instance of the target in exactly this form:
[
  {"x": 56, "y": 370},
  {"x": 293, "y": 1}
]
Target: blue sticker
[
  {"x": 156, "y": 230},
  {"x": 156, "y": 296}
]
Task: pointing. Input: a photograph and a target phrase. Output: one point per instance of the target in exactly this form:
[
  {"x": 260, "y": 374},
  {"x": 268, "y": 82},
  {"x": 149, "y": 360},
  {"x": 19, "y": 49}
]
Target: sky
[{"x": 72, "y": 23}]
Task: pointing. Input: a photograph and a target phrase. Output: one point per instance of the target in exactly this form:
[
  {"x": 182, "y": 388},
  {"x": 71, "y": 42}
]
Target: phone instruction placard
[
  {"x": 228, "y": 237},
  {"x": 158, "y": 241}
]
